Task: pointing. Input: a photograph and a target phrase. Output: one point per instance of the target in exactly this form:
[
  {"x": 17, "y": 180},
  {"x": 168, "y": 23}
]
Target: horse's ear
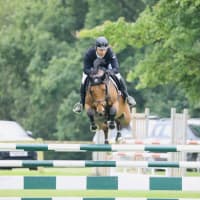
[
  {"x": 99, "y": 62},
  {"x": 93, "y": 71},
  {"x": 103, "y": 77}
]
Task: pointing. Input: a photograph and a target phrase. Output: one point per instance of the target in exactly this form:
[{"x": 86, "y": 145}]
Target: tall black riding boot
[
  {"x": 82, "y": 92},
  {"x": 78, "y": 107},
  {"x": 123, "y": 88}
]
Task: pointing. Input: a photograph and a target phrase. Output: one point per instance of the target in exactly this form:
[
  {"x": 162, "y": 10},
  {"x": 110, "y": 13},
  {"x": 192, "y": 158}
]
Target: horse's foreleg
[
  {"x": 112, "y": 113},
  {"x": 105, "y": 130},
  {"x": 118, "y": 132},
  {"x": 90, "y": 113}
]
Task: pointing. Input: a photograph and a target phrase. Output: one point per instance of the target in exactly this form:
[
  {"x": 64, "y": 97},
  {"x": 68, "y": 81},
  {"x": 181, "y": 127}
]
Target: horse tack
[
  {"x": 103, "y": 100},
  {"x": 107, "y": 98},
  {"x": 104, "y": 106}
]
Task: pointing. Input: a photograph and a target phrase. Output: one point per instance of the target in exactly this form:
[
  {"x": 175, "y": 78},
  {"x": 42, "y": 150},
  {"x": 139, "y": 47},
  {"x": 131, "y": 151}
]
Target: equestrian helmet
[{"x": 101, "y": 42}]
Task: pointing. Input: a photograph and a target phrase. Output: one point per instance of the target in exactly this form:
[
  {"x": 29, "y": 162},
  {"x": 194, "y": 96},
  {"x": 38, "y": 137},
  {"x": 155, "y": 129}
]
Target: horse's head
[
  {"x": 98, "y": 96},
  {"x": 98, "y": 90}
]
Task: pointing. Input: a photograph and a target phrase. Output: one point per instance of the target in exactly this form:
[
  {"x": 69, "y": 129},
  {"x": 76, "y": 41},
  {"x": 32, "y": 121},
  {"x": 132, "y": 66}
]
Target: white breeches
[{"x": 84, "y": 76}]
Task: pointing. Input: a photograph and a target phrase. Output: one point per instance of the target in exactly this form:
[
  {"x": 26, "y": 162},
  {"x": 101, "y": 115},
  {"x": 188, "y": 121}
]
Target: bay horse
[{"x": 104, "y": 104}]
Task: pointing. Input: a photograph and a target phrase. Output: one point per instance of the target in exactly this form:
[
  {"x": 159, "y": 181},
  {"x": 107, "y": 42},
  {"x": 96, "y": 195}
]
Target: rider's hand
[{"x": 109, "y": 71}]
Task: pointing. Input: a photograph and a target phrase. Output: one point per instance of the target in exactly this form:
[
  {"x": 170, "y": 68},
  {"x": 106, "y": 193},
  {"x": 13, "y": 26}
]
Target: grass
[
  {"x": 48, "y": 172},
  {"x": 84, "y": 193},
  {"x": 99, "y": 193},
  {"x": 65, "y": 172}
]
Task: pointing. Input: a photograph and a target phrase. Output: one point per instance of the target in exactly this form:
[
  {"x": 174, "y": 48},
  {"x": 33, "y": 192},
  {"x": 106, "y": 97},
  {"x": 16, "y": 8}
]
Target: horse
[{"x": 105, "y": 105}]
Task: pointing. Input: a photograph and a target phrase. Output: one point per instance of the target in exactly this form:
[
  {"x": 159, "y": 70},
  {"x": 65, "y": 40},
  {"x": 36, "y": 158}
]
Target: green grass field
[
  {"x": 89, "y": 193},
  {"x": 99, "y": 193}
]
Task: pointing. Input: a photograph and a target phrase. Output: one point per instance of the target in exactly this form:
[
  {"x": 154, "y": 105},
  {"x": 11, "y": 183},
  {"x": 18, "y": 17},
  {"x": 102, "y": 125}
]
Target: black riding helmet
[{"x": 101, "y": 42}]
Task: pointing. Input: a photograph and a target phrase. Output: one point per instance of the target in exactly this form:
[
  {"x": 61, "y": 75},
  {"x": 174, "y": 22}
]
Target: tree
[
  {"x": 102, "y": 10},
  {"x": 168, "y": 34},
  {"x": 36, "y": 44}
]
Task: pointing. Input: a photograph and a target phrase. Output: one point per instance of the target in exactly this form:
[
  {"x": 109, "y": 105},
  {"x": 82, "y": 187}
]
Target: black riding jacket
[{"x": 110, "y": 59}]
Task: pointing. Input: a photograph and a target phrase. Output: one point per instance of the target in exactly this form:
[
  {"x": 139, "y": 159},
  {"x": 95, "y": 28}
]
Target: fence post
[
  {"x": 179, "y": 136},
  {"x": 140, "y": 124},
  {"x": 140, "y": 129},
  {"x": 99, "y": 139},
  {"x": 40, "y": 154}
]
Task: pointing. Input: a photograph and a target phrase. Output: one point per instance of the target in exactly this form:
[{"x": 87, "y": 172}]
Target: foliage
[
  {"x": 168, "y": 34},
  {"x": 102, "y": 10},
  {"x": 36, "y": 51},
  {"x": 173, "y": 47},
  {"x": 41, "y": 62},
  {"x": 42, "y": 48}
]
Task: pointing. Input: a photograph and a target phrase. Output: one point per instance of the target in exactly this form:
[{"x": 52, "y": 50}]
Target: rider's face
[{"x": 101, "y": 52}]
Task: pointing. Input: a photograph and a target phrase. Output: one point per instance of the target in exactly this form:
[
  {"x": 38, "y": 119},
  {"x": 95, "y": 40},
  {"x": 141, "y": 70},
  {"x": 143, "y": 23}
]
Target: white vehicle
[{"x": 11, "y": 131}]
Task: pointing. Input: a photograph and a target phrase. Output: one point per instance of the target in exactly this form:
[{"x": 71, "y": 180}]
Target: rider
[{"x": 105, "y": 53}]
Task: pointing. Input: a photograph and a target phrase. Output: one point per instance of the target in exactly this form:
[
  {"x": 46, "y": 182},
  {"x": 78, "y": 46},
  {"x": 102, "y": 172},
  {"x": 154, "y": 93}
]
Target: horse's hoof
[
  {"x": 118, "y": 135},
  {"x": 119, "y": 140},
  {"x": 111, "y": 125},
  {"x": 106, "y": 142},
  {"x": 93, "y": 128}
]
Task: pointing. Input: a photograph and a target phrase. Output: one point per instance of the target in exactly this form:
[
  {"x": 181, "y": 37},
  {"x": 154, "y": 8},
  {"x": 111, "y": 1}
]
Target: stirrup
[{"x": 78, "y": 107}]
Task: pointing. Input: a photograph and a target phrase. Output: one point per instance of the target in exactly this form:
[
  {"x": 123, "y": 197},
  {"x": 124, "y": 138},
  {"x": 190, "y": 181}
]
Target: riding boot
[
  {"x": 123, "y": 88},
  {"x": 83, "y": 93},
  {"x": 78, "y": 107}
]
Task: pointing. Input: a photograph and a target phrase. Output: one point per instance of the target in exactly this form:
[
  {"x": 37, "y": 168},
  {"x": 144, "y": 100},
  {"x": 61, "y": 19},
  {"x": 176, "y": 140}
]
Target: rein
[{"x": 107, "y": 96}]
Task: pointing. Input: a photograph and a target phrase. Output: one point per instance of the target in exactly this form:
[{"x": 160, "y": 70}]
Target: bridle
[{"x": 105, "y": 100}]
